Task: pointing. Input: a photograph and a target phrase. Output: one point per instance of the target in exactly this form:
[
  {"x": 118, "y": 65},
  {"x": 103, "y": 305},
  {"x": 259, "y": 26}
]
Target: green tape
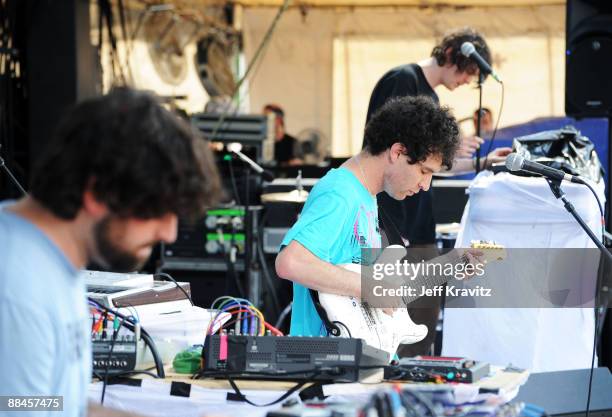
[
  {"x": 226, "y": 212},
  {"x": 188, "y": 361}
]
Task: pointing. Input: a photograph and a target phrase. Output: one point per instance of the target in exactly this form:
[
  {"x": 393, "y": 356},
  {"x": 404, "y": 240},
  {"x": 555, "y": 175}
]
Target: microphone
[
  {"x": 468, "y": 49},
  {"x": 236, "y": 148},
  {"x": 515, "y": 163}
]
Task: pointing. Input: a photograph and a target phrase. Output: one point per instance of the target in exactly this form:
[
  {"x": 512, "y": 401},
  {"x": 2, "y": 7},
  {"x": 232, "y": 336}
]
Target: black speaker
[
  {"x": 588, "y": 58},
  {"x": 63, "y": 65}
]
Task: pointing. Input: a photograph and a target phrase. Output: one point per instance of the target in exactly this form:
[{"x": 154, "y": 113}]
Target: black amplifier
[
  {"x": 293, "y": 358},
  {"x": 210, "y": 236}
]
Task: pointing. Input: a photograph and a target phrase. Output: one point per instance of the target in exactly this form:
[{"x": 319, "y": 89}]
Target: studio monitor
[{"x": 588, "y": 58}]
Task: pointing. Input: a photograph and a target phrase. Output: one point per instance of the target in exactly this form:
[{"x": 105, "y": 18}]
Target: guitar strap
[
  {"x": 389, "y": 228},
  {"x": 332, "y": 328}
]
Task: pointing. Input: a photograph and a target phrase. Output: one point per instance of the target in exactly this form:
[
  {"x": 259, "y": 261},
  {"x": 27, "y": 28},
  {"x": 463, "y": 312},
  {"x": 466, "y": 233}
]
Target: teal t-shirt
[{"x": 339, "y": 218}]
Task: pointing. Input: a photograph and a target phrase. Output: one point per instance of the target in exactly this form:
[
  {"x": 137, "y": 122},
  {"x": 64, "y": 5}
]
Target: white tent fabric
[
  {"x": 523, "y": 213},
  {"x": 322, "y": 63}
]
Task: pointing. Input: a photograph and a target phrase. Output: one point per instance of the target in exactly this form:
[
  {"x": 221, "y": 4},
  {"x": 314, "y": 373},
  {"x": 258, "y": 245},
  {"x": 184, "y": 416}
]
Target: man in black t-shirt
[
  {"x": 284, "y": 145},
  {"x": 412, "y": 218}
]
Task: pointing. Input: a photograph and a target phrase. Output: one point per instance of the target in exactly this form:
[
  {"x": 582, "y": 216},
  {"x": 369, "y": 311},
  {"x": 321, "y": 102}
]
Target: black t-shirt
[
  {"x": 284, "y": 149},
  {"x": 412, "y": 216}
]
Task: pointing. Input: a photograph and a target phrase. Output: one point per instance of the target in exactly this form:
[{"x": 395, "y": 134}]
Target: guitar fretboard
[{"x": 431, "y": 281}]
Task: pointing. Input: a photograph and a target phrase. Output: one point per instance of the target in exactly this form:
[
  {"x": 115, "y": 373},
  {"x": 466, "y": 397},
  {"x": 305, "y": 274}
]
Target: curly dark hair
[
  {"x": 419, "y": 124},
  {"x": 453, "y": 42},
  {"x": 140, "y": 160}
]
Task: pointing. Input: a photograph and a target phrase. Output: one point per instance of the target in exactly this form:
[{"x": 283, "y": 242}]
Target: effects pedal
[{"x": 438, "y": 368}]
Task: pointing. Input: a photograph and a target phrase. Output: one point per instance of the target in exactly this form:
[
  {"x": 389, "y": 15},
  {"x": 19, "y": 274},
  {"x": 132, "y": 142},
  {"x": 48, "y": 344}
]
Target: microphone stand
[
  {"x": 12, "y": 177},
  {"x": 252, "y": 269},
  {"x": 555, "y": 186},
  {"x": 481, "y": 78}
]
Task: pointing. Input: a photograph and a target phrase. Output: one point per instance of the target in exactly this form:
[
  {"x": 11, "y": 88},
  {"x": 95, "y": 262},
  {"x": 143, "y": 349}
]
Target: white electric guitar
[{"x": 357, "y": 319}]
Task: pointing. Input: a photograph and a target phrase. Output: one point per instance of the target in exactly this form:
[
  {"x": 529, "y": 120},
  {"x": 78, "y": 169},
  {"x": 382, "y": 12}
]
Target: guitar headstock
[{"x": 491, "y": 250}]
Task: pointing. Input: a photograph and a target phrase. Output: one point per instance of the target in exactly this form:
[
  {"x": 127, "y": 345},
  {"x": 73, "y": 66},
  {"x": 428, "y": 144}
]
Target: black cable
[
  {"x": 283, "y": 314},
  {"x": 293, "y": 389},
  {"x": 601, "y": 210},
  {"x": 248, "y": 234},
  {"x": 332, "y": 371},
  {"x": 134, "y": 372},
  {"x": 266, "y": 273},
  {"x": 233, "y": 180},
  {"x": 108, "y": 358},
  {"x": 598, "y": 314},
  {"x": 596, "y": 332},
  {"x": 345, "y": 328},
  {"x": 264, "y": 265},
  {"x": 598, "y": 321},
  {"x": 159, "y": 365},
  {"x": 231, "y": 269},
  {"x": 588, "y": 404},
  {"x": 501, "y": 107},
  {"x": 247, "y": 186},
  {"x": 165, "y": 275}
]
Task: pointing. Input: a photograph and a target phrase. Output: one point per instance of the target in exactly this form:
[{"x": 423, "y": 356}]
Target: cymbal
[{"x": 294, "y": 196}]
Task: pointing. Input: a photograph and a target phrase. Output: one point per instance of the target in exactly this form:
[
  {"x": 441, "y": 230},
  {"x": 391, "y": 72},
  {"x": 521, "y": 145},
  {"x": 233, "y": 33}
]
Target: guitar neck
[{"x": 426, "y": 280}]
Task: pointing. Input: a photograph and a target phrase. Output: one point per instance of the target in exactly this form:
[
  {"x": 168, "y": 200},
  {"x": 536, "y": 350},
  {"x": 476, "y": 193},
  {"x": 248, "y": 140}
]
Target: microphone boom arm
[{"x": 267, "y": 176}]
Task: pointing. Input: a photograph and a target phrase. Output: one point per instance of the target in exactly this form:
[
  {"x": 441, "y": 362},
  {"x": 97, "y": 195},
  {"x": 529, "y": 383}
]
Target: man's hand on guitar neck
[
  {"x": 298, "y": 264},
  {"x": 479, "y": 254},
  {"x": 473, "y": 257}
]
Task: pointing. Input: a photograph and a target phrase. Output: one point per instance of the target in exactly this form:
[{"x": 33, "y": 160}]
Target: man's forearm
[
  {"x": 461, "y": 166},
  {"x": 298, "y": 264}
]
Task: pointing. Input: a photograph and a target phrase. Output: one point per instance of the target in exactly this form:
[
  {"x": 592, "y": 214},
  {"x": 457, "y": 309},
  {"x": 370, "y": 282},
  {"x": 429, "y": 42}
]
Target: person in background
[
  {"x": 285, "y": 144},
  {"x": 110, "y": 185},
  {"x": 413, "y": 217},
  {"x": 486, "y": 122}
]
